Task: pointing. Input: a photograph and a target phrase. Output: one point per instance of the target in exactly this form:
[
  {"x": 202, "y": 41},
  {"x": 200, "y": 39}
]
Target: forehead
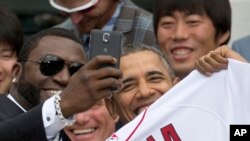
[
  {"x": 185, "y": 13},
  {"x": 182, "y": 15},
  {"x": 60, "y": 46},
  {"x": 143, "y": 61},
  {"x": 5, "y": 46},
  {"x": 167, "y": 7}
]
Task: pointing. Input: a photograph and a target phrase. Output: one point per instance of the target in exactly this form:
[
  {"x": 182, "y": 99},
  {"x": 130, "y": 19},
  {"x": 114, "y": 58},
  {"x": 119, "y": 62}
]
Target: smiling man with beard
[{"x": 52, "y": 67}]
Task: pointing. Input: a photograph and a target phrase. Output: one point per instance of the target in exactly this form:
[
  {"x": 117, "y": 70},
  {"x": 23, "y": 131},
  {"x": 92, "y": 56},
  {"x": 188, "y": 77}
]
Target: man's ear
[
  {"x": 110, "y": 105},
  {"x": 16, "y": 72},
  {"x": 116, "y": 118},
  {"x": 223, "y": 37},
  {"x": 176, "y": 80}
]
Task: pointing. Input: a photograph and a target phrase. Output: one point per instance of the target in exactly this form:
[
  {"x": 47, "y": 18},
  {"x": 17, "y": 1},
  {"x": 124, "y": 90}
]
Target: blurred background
[{"x": 36, "y": 15}]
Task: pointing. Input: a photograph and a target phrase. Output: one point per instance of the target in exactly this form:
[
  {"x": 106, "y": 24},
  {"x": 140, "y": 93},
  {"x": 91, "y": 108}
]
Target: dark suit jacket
[{"x": 15, "y": 125}]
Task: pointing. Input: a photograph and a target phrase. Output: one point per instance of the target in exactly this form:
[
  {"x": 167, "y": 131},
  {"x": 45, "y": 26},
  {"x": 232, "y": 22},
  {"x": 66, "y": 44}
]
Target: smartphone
[{"x": 106, "y": 43}]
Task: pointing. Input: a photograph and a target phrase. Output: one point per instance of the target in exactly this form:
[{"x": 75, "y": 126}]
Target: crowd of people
[{"x": 51, "y": 91}]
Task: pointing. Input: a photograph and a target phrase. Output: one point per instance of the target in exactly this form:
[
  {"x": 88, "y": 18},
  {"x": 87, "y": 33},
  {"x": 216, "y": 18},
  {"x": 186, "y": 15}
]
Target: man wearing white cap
[{"x": 109, "y": 15}]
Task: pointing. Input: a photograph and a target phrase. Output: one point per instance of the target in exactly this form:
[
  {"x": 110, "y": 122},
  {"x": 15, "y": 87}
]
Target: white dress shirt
[{"x": 52, "y": 123}]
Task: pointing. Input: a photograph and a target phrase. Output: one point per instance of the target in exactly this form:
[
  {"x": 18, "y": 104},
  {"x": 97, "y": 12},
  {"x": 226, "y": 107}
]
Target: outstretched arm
[
  {"x": 85, "y": 88},
  {"x": 25, "y": 127}
]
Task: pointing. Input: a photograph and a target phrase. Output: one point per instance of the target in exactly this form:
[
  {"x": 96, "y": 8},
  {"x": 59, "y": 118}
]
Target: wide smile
[
  {"x": 52, "y": 92},
  {"x": 140, "y": 109},
  {"x": 86, "y": 131},
  {"x": 181, "y": 53}
]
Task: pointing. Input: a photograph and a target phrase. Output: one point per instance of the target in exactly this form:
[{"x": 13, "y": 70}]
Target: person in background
[
  {"x": 11, "y": 40},
  {"x": 242, "y": 47},
  {"x": 146, "y": 77},
  {"x": 187, "y": 30},
  {"x": 52, "y": 82},
  {"x": 135, "y": 23}
]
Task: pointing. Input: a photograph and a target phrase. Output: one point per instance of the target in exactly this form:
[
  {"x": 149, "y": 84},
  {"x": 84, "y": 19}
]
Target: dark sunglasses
[{"x": 51, "y": 65}]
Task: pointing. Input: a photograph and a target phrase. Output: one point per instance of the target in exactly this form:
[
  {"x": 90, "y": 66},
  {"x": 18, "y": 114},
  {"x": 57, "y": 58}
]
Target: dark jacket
[{"x": 15, "y": 125}]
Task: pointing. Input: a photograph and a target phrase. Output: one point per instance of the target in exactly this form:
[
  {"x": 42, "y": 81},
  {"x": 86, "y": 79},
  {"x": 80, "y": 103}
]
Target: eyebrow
[
  {"x": 154, "y": 72},
  {"x": 6, "y": 49},
  {"x": 129, "y": 79}
]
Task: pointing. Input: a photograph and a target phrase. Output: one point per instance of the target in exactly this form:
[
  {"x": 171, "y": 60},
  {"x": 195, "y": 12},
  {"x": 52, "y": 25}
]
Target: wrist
[{"x": 66, "y": 121}]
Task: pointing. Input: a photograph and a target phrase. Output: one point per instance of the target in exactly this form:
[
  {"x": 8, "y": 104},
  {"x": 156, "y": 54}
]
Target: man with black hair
[
  {"x": 187, "y": 30},
  {"x": 11, "y": 40}
]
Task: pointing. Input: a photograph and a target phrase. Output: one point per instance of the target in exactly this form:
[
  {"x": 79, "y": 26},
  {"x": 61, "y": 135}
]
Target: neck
[
  {"x": 107, "y": 15},
  {"x": 20, "y": 99},
  {"x": 182, "y": 75}
]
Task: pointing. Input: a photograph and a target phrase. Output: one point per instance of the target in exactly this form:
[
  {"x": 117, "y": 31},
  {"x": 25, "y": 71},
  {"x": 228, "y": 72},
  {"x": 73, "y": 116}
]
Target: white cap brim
[{"x": 71, "y": 10}]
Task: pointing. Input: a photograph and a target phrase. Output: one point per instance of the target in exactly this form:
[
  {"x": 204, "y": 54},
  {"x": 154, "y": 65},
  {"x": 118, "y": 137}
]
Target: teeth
[
  {"x": 54, "y": 92},
  {"x": 83, "y": 131},
  {"x": 181, "y": 51},
  {"x": 141, "y": 109}
]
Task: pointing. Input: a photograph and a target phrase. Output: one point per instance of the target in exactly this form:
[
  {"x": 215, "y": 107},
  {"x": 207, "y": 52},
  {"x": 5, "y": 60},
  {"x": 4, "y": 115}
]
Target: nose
[
  {"x": 82, "y": 118},
  {"x": 76, "y": 17},
  {"x": 1, "y": 70},
  {"x": 181, "y": 32},
  {"x": 144, "y": 90},
  {"x": 1, "y": 66},
  {"x": 63, "y": 76}
]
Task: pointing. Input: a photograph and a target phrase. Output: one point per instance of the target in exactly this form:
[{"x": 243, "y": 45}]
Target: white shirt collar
[{"x": 12, "y": 99}]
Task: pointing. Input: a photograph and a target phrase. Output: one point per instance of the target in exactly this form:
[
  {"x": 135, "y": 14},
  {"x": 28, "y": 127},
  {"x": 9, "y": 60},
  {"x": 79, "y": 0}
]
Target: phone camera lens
[{"x": 105, "y": 37}]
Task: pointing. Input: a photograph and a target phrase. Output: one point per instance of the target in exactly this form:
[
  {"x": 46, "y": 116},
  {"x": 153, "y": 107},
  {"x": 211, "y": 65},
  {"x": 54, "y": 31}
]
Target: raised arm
[{"x": 217, "y": 60}]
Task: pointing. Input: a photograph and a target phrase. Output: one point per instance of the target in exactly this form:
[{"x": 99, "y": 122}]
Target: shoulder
[
  {"x": 67, "y": 24},
  {"x": 128, "y": 4},
  {"x": 245, "y": 41},
  {"x": 242, "y": 46},
  {"x": 8, "y": 109},
  {"x": 12, "y": 127},
  {"x": 136, "y": 15},
  {"x": 4, "y": 100}
]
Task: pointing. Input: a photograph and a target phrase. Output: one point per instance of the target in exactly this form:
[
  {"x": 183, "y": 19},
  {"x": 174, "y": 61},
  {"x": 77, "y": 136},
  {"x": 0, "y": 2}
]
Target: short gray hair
[{"x": 134, "y": 48}]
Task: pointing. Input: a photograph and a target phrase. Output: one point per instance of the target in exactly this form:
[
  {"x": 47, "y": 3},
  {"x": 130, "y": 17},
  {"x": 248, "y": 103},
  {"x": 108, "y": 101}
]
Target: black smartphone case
[{"x": 106, "y": 43}]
